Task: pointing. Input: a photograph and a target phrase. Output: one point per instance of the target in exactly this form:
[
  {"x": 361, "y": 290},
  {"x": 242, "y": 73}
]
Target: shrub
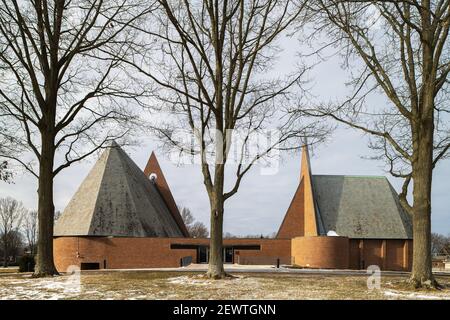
[{"x": 26, "y": 263}]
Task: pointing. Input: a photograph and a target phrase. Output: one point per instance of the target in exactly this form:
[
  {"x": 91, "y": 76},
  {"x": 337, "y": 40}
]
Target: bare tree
[
  {"x": 196, "y": 229},
  {"x": 11, "y": 213},
  {"x": 61, "y": 90},
  {"x": 15, "y": 244},
  {"x": 213, "y": 81},
  {"x": 6, "y": 147},
  {"x": 29, "y": 227},
  {"x": 4, "y": 174},
  {"x": 187, "y": 216},
  {"x": 439, "y": 244},
  {"x": 398, "y": 48}
]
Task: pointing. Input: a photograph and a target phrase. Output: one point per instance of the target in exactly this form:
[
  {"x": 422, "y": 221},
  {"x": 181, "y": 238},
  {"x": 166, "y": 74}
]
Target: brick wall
[
  {"x": 388, "y": 254},
  {"x": 293, "y": 222},
  {"x": 124, "y": 253},
  {"x": 321, "y": 252},
  {"x": 318, "y": 252},
  {"x": 344, "y": 253}
]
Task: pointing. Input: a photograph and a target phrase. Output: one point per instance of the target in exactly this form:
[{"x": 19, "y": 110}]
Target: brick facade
[
  {"x": 333, "y": 252},
  {"x": 312, "y": 252},
  {"x": 343, "y": 253},
  {"x": 293, "y": 222},
  {"x": 297, "y": 242},
  {"x": 132, "y": 253}
]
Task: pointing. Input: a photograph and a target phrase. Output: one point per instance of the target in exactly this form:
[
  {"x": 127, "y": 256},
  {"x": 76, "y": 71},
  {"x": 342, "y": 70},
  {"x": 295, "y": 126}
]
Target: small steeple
[
  {"x": 305, "y": 168},
  {"x": 306, "y": 176},
  {"x": 300, "y": 218},
  {"x": 306, "y": 163}
]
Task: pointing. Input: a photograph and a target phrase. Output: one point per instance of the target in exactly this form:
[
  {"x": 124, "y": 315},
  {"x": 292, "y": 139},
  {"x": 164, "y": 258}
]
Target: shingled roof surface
[
  {"x": 117, "y": 199},
  {"x": 360, "y": 207}
]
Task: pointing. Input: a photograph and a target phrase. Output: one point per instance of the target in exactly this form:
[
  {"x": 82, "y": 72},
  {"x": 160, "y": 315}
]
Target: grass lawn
[{"x": 183, "y": 285}]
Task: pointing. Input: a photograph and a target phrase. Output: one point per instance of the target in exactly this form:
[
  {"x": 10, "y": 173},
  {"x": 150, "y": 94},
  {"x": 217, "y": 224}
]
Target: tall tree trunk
[
  {"x": 44, "y": 262},
  {"x": 422, "y": 275},
  {"x": 215, "y": 268}
]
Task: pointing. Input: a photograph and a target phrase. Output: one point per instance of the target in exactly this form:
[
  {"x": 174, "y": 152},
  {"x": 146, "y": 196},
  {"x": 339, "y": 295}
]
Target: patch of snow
[
  {"x": 188, "y": 281},
  {"x": 414, "y": 295},
  {"x": 421, "y": 296},
  {"x": 200, "y": 280},
  {"x": 390, "y": 293}
]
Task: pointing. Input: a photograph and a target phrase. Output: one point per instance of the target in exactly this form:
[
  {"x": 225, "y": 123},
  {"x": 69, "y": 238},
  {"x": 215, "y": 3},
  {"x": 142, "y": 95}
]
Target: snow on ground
[
  {"x": 200, "y": 280},
  {"x": 185, "y": 285},
  {"x": 188, "y": 281},
  {"x": 28, "y": 288},
  {"x": 414, "y": 296}
]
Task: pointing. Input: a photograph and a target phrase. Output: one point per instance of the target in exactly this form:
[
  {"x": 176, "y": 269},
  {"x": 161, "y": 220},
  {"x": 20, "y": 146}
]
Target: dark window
[
  {"x": 90, "y": 266},
  {"x": 203, "y": 252},
  {"x": 228, "y": 254},
  {"x": 247, "y": 247},
  {"x": 183, "y": 246}
]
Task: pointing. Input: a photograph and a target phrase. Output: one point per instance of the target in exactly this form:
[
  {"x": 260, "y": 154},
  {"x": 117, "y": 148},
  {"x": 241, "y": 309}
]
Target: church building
[{"x": 122, "y": 217}]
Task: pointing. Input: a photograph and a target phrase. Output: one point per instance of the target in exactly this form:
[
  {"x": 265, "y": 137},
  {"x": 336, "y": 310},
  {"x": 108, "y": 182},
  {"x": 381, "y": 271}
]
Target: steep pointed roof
[
  {"x": 300, "y": 219},
  {"x": 153, "y": 167},
  {"x": 117, "y": 199},
  {"x": 364, "y": 207},
  {"x": 361, "y": 207}
]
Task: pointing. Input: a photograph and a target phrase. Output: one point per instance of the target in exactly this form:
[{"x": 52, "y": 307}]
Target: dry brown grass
[
  {"x": 184, "y": 285},
  {"x": 9, "y": 270}
]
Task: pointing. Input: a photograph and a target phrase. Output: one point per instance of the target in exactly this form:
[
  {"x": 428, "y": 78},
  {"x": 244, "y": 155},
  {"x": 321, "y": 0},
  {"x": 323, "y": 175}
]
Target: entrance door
[
  {"x": 228, "y": 255},
  {"x": 203, "y": 254}
]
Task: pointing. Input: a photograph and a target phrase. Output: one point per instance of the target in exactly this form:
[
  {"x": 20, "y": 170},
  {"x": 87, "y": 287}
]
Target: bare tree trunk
[
  {"x": 44, "y": 263},
  {"x": 422, "y": 275},
  {"x": 215, "y": 268}
]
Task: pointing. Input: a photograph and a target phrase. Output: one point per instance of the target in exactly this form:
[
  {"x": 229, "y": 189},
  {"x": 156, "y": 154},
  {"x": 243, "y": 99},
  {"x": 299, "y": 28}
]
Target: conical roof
[{"x": 117, "y": 199}]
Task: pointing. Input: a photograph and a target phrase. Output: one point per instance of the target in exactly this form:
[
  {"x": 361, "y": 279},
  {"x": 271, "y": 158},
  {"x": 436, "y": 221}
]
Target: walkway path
[{"x": 272, "y": 269}]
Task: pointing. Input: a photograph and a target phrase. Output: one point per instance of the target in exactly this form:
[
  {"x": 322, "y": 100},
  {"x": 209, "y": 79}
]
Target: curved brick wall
[{"x": 320, "y": 252}]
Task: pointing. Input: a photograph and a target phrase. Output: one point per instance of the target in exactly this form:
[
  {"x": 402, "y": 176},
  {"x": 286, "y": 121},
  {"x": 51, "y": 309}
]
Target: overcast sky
[{"x": 262, "y": 200}]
